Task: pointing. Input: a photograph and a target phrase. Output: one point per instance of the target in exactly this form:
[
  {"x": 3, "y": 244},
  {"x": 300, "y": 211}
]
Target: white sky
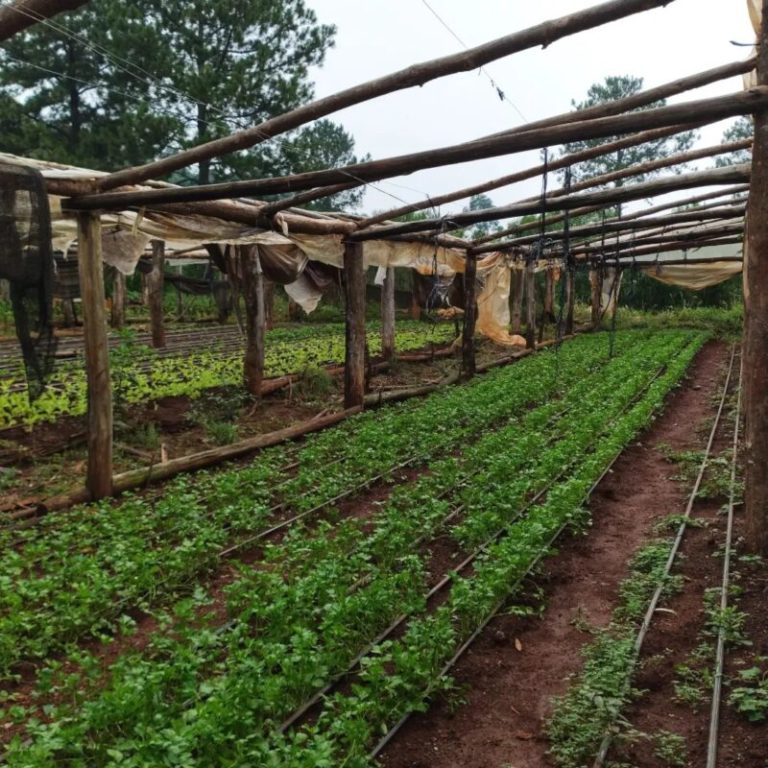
[{"x": 376, "y": 37}]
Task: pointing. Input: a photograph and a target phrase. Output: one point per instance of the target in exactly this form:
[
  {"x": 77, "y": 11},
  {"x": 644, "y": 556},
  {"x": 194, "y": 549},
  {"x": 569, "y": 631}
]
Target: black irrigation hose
[
  {"x": 607, "y": 740},
  {"x": 714, "y": 720}
]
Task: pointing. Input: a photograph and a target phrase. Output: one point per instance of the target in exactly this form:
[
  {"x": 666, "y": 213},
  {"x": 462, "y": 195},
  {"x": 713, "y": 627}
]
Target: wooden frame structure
[{"x": 638, "y": 234}]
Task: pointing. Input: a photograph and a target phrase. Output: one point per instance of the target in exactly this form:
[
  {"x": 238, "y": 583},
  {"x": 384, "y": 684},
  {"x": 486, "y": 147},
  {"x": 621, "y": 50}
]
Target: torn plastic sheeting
[{"x": 696, "y": 277}]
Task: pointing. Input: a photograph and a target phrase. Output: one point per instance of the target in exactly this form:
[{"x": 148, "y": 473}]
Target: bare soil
[{"x": 518, "y": 664}]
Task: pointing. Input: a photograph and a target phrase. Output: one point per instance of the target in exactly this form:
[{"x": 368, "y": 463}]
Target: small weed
[
  {"x": 146, "y": 436},
  {"x": 671, "y": 748},
  {"x": 221, "y": 432},
  {"x": 750, "y": 697},
  {"x": 314, "y": 383}
]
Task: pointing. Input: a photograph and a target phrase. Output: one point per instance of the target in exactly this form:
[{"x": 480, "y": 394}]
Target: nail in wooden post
[
  {"x": 755, "y": 360},
  {"x": 255, "y": 313},
  {"x": 470, "y": 317},
  {"x": 354, "y": 357},
  {"x": 99, "y": 473},
  {"x": 530, "y": 304},
  {"x": 155, "y": 285},
  {"x": 388, "y": 315}
]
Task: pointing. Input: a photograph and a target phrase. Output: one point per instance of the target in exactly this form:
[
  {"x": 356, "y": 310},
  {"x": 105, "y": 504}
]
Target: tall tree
[
  {"x": 479, "y": 202},
  {"x": 741, "y": 128},
  {"x": 611, "y": 89},
  {"x": 120, "y": 83}
]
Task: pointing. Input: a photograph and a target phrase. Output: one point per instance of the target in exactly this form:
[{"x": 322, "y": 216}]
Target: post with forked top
[
  {"x": 354, "y": 325},
  {"x": 99, "y": 471}
]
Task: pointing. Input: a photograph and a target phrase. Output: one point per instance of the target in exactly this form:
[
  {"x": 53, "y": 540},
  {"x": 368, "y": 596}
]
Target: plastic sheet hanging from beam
[{"x": 696, "y": 277}]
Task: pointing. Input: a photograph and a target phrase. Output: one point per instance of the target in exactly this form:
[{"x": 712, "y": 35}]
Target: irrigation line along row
[
  {"x": 605, "y": 744},
  {"x": 714, "y": 720},
  {"x": 449, "y": 576}
]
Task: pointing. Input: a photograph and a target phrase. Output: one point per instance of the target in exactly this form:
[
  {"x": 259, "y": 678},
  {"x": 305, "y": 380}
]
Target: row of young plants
[
  {"x": 292, "y": 634},
  {"x": 76, "y": 571},
  {"x": 135, "y": 380}
]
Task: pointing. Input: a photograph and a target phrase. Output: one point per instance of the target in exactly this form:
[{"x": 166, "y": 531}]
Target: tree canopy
[
  {"x": 741, "y": 128},
  {"x": 121, "y": 83}
]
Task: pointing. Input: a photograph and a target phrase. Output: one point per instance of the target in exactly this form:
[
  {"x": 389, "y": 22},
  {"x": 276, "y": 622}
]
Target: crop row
[
  {"x": 138, "y": 377},
  {"x": 203, "y": 696},
  {"x": 78, "y": 570}
]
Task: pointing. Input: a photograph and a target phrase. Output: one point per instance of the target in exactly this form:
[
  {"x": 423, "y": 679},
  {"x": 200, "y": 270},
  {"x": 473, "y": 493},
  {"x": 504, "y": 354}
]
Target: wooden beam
[
  {"x": 693, "y": 112},
  {"x": 672, "y": 245},
  {"x": 17, "y": 16},
  {"x": 689, "y": 236},
  {"x": 255, "y": 314},
  {"x": 155, "y": 282},
  {"x": 388, "y": 315},
  {"x": 417, "y": 75},
  {"x": 90, "y": 265},
  {"x": 354, "y": 324},
  {"x": 468, "y": 363},
  {"x": 530, "y": 304},
  {"x": 755, "y": 360},
  {"x": 734, "y": 174}
]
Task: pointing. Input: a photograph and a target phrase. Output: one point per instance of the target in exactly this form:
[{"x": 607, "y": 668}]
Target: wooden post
[
  {"x": 269, "y": 303},
  {"x": 155, "y": 284},
  {"x": 388, "y": 315},
  {"x": 549, "y": 295},
  {"x": 530, "y": 304},
  {"x": 470, "y": 316},
  {"x": 354, "y": 356},
  {"x": 570, "y": 299},
  {"x": 596, "y": 283},
  {"x": 755, "y": 355},
  {"x": 99, "y": 473},
  {"x": 118, "y": 299},
  {"x": 516, "y": 293},
  {"x": 255, "y": 314}
]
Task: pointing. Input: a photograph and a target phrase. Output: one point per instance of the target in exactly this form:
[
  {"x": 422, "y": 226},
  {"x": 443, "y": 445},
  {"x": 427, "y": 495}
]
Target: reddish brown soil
[{"x": 508, "y": 692}]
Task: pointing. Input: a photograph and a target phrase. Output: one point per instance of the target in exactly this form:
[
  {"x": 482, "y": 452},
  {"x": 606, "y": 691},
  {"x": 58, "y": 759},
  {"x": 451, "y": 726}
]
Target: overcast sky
[{"x": 376, "y": 37}]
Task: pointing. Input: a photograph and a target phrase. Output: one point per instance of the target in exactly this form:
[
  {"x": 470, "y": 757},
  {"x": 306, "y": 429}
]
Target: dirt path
[{"x": 518, "y": 664}]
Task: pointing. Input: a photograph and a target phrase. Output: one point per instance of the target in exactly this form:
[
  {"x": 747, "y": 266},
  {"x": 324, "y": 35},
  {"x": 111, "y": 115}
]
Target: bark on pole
[
  {"x": 530, "y": 304},
  {"x": 549, "y": 295},
  {"x": 118, "y": 299},
  {"x": 570, "y": 298},
  {"x": 470, "y": 317},
  {"x": 99, "y": 472},
  {"x": 596, "y": 284},
  {"x": 388, "y": 315},
  {"x": 516, "y": 293},
  {"x": 155, "y": 285},
  {"x": 354, "y": 356},
  {"x": 255, "y": 323},
  {"x": 755, "y": 360}
]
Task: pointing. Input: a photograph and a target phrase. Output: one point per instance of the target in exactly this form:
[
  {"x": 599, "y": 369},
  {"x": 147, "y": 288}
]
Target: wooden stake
[
  {"x": 755, "y": 360},
  {"x": 155, "y": 288},
  {"x": 255, "y": 324},
  {"x": 530, "y": 304},
  {"x": 388, "y": 315},
  {"x": 570, "y": 300},
  {"x": 90, "y": 265},
  {"x": 118, "y": 299},
  {"x": 470, "y": 316},
  {"x": 549, "y": 296},
  {"x": 354, "y": 357},
  {"x": 596, "y": 283},
  {"x": 516, "y": 293}
]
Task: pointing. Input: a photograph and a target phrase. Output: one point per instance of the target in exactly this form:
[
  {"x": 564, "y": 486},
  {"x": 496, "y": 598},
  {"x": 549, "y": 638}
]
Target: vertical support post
[
  {"x": 470, "y": 317},
  {"x": 269, "y": 303},
  {"x": 255, "y": 314},
  {"x": 155, "y": 285},
  {"x": 118, "y": 299},
  {"x": 516, "y": 293},
  {"x": 354, "y": 324},
  {"x": 388, "y": 315},
  {"x": 570, "y": 299},
  {"x": 530, "y": 304},
  {"x": 91, "y": 269},
  {"x": 549, "y": 295},
  {"x": 596, "y": 283},
  {"x": 755, "y": 353},
  {"x": 415, "y": 308}
]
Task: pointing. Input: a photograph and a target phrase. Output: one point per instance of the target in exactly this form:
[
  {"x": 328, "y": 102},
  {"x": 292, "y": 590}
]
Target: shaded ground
[{"x": 518, "y": 664}]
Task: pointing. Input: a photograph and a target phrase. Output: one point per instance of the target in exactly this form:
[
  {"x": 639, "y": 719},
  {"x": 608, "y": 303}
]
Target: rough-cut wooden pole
[
  {"x": 388, "y": 315},
  {"x": 155, "y": 289},
  {"x": 269, "y": 304},
  {"x": 549, "y": 296},
  {"x": 570, "y": 300},
  {"x": 99, "y": 473},
  {"x": 118, "y": 299},
  {"x": 516, "y": 293},
  {"x": 354, "y": 356},
  {"x": 17, "y": 16},
  {"x": 530, "y": 304},
  {"x": 542, "y": 34},
  {"x": 596, "y": 284},
  {"x": 692, "y": 112},
  {"x": 755, "y": 361},
  {"x": 255, "y": 324},
  {"x": 470, "y": 318}
]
